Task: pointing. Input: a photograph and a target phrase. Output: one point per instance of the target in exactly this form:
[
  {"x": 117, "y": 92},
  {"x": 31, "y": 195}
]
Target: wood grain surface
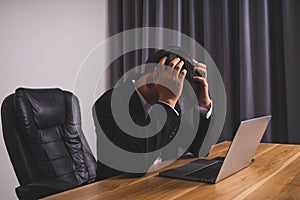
[{"x": 274, "y": 174}]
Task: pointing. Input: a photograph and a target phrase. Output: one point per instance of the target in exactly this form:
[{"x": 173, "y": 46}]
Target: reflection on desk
[{"x": 275, "y": 174}]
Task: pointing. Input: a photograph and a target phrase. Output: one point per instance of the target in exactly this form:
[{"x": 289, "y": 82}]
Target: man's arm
[
  {"x": 201, "y": 133},
  {"x": 205, "y": 107}
]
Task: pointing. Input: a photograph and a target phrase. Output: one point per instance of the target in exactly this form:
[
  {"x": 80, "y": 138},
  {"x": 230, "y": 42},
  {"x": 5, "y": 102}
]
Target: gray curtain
[{"x": 255, "y": 44}]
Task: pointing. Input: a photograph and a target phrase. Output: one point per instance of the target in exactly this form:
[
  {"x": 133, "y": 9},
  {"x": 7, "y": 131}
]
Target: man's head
[
  {"x": 177, "y": 52},
  {"x": 146, "y": 81},
  {"x": 171, "y": 53}
]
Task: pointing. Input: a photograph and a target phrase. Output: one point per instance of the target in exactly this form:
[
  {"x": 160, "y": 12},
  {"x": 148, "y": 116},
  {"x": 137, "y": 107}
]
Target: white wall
[{"x": 42, "y": 44}]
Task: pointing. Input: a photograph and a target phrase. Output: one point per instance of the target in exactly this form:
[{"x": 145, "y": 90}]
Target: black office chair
[{"x": 44, "y": 139}]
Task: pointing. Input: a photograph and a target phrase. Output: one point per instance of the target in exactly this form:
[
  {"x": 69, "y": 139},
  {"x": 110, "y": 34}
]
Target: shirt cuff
[
  {"x": 204, "y": 111},
  {"x": 170, "y": 107}
]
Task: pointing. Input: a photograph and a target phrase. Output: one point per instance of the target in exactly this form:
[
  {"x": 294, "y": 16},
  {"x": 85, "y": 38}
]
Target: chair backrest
[{"x": 43, "y": 136}]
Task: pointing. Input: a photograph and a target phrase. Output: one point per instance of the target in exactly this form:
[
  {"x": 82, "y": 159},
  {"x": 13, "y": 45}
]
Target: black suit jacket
[{"x": 104, "y": 115}]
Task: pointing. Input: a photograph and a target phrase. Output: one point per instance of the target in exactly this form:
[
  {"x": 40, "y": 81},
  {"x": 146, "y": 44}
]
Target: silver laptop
[{"x": 239, "y": 155}]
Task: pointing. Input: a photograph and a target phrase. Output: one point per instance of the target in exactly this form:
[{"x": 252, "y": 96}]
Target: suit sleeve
[{"x": 201, "y": 133}]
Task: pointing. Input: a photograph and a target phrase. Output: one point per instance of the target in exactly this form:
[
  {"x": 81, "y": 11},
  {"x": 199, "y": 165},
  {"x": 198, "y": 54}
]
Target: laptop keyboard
[{"x": 207, "y": 174}]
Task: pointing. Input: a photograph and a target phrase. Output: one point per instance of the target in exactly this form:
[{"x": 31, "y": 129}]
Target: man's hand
[
  {"x": 204, "y": 99},
  {"x": 169, "y": 81}
]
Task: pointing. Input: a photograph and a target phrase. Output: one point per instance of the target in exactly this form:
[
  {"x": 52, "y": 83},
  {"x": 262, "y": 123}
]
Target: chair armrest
[{"x": 43, "y": 188}]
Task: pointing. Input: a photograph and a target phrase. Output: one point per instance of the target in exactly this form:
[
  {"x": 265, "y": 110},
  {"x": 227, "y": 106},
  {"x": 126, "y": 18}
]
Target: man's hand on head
[
  {"x": 169, "y": 80},
  {"x": 204, "y": 99}
]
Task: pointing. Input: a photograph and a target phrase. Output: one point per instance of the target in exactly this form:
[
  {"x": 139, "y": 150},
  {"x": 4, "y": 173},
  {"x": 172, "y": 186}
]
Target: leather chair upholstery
[{"x": 44, "y": 139}]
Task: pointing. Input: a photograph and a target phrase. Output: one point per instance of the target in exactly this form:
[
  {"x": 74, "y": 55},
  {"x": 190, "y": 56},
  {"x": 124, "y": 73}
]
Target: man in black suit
[{"x": 161, "y": 87}]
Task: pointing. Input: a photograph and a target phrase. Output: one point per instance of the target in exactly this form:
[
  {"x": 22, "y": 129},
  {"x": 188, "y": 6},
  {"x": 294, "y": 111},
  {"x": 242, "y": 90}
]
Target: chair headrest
[{"x": 44, "y": 107}]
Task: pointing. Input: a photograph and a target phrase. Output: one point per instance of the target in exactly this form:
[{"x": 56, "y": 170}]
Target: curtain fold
[
  {"x": 255, "y": 44},
  {"x": 291, "y": 60}
]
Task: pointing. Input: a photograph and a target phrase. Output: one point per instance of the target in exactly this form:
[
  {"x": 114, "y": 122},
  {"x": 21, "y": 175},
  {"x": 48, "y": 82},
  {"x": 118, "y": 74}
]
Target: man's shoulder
[
  {"x": 104, "y": 97},
  {"x": 120, "y": 92},
  {"x": 102, "y": 105},
  {"x": 123, "y": 89}
]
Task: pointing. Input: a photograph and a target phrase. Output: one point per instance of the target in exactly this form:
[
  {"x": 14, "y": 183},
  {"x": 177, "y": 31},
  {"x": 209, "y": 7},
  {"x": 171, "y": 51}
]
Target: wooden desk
[{"x": 275, "y": 174}]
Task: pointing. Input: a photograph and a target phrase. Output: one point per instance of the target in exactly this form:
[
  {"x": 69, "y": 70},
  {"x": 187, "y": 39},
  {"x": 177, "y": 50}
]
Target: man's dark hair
[{"x": 172, "y": 53}]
